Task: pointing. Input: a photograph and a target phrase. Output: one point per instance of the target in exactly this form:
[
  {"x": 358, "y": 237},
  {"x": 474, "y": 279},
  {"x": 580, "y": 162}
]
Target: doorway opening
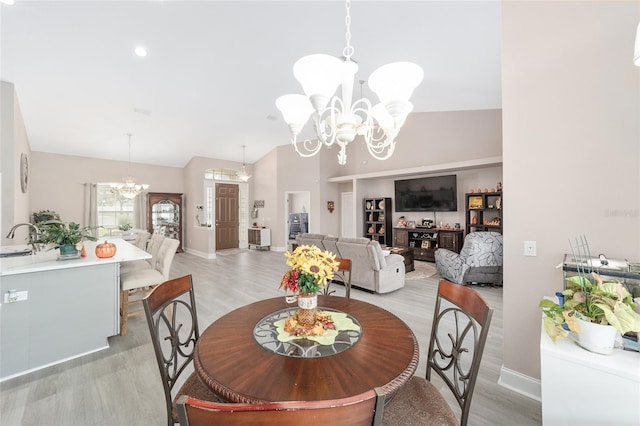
[{"x": 297, "y": 220}]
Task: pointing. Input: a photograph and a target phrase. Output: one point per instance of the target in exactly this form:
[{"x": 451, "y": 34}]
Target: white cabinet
[
  {"x": 584, "y": 388},
  {"x": 259, "y": 237}
]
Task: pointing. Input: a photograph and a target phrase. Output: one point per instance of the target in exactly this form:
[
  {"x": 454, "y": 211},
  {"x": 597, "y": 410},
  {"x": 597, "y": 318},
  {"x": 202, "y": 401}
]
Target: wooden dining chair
[
  {"x": 342, "y": 274},
  {"x": 461, "y": 322},
  {"x": 171, "y": 316},
  {"x": 361, "y": 410}
]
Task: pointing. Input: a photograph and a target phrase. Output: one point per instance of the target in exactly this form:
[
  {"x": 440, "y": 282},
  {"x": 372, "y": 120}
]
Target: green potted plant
[
  {"x": 590, "y": 300},
  {"x": 67, "y": 236}
]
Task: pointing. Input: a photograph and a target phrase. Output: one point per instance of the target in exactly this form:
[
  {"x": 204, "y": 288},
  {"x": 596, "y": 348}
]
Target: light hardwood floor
[{"x": 121, "y": 385}]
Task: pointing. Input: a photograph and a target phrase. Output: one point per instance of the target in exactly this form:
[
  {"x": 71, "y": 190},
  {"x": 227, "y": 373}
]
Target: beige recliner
[{"x": 370, "y": 268}]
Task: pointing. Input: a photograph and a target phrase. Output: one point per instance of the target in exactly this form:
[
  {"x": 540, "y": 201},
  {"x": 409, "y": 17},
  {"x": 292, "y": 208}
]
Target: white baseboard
[
  {"x": 201, "y": 254},
  {"x": 60, "y": 361},
  {"x": 518, "y": 382}
]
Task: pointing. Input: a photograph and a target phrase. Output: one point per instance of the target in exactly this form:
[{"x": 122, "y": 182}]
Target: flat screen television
[{"x": 428, "y": 194}]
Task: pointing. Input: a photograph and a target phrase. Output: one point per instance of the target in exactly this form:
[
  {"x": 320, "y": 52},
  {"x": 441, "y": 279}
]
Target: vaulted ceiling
[{"x": 214, "y": 68}]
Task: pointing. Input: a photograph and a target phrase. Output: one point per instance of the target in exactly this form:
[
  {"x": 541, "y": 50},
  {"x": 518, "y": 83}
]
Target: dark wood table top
[{"x": 230, "y": 361}]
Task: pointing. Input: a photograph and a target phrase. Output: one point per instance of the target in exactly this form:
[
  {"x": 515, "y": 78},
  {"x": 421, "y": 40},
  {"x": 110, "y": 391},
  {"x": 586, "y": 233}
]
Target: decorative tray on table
[{"x": 333, "y": 332}]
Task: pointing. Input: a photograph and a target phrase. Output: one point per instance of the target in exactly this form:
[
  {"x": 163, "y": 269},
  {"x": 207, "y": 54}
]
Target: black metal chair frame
[
  {"x": 472, "y": 315},
  {"x": 161, "y": 308}
]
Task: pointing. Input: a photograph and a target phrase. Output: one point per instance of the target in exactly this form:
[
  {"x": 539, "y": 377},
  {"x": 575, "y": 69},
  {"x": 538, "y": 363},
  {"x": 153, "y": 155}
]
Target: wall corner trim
[{"x": 518, "y": 382}]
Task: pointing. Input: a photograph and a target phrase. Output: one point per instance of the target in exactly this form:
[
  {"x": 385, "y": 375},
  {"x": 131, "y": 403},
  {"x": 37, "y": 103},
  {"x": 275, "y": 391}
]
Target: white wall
[
  {"x": 15, "y": 203},
  {"x": 58, "y": 180},
  {"x": 571, "y": 109}
]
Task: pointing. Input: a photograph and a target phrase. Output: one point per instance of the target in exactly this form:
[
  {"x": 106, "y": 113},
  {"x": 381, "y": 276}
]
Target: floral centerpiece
[
  {"x": 592, "y": 300},
  {"x": 311, "y": 270}
]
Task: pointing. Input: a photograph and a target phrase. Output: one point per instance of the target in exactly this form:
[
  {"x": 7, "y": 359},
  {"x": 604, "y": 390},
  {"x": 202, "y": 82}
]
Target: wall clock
[{"x": 24, "y": 172}]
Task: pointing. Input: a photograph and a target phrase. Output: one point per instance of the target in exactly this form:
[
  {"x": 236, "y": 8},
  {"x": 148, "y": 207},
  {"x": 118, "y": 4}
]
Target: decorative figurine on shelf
[
  {"x": 402, "y": 222},
  {"x": 474, "y": 220},
  {"x": 472, "y": 191},
  {"x": 499, "y": 186},
  {"x": 371, "y": 230},
  {"x": 499, "y": 203},
  {"x": 381, "y": 231}
]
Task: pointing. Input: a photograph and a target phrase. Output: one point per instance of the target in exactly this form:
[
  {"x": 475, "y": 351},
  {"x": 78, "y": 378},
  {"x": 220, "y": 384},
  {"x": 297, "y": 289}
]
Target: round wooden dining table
[{"x": 230, "y": 360}]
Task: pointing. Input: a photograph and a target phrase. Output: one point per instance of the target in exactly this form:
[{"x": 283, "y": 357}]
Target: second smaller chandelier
[
  {"x": 129, "y": 188},
  {"x": 338, "y": 120}
]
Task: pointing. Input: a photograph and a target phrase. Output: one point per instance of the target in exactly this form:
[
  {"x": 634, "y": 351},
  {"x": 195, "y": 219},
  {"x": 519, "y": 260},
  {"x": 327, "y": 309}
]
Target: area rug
[{"x": 422, "y": 270}]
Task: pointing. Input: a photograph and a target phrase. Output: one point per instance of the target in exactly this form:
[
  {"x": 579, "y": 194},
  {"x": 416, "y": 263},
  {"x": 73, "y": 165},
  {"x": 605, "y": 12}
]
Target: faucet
[{"x": 12, "y": 233}]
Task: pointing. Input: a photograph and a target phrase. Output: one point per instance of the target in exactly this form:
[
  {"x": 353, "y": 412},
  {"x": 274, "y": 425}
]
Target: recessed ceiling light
[{"x": 141, "y": 51}]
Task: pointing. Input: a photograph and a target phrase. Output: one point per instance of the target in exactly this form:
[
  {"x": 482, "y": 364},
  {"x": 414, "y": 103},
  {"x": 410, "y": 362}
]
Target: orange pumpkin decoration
[{"x": 105, "y": 249}]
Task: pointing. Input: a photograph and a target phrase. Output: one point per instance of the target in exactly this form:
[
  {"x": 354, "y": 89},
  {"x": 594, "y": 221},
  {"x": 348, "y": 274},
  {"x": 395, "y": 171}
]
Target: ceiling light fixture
[
  {"x": 129, "y": 189},
  {"x": 320, "y": 75},
  {"x": 140, "y": 51},
  {"x": 243, "y": 176}
]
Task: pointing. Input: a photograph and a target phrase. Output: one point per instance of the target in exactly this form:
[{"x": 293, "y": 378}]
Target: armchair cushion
[
  {"x": 450, "y": 265},
  {"x": 480, "y": 260}
]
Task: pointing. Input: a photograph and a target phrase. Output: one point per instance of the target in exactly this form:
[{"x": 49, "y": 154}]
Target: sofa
[
  {"x": 479, "y": 261},
  {"x": 371, "y": 269}
]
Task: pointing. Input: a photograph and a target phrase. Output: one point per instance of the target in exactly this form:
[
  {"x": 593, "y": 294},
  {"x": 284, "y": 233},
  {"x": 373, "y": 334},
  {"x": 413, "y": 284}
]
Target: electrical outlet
[
  {"x": 529, "y": 248},
  {"x": 15, "y": 296}
]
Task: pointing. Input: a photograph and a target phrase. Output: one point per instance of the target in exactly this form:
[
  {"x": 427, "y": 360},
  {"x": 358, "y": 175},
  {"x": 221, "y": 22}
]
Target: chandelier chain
[{"x": 347, "y": 52}]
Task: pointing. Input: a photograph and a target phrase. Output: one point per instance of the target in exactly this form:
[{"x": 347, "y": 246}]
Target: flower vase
[{"x": 307, "y": 304}]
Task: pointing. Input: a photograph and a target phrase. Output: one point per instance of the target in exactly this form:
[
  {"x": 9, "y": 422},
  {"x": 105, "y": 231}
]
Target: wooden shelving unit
[
  {"x": 377, "y": 220},
  {"x": 483, "y": 211}
]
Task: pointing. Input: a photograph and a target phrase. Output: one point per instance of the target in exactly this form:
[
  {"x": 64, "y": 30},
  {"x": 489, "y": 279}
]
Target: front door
[{"x": 227, "y": 223}]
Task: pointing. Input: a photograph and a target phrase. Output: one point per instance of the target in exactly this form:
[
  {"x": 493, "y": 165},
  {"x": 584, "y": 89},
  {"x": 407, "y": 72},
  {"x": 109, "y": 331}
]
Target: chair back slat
[
  {"x": 361, "y": 410},
  {"x": 344, "y": 274},
  {"x": 172, "y": 320},
  {"x": 456, "y": 355}
]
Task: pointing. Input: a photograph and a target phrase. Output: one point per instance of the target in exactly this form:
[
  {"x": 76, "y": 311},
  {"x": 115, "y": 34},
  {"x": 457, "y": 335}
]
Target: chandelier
[
  {"x": 243, "y": 176},
  {"x": 339, "y": 120},
  {"x": 129, "y": 189}
]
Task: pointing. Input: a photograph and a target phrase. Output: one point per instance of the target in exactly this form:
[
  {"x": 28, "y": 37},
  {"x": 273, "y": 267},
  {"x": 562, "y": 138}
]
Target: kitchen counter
[
  {"x": 62, "y": 309},
  {"x": 49, "y": 260}
]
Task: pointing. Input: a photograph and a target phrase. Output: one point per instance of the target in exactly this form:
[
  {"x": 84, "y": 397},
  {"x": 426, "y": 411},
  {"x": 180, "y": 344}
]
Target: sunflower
[{"x": 313, "y": 269}]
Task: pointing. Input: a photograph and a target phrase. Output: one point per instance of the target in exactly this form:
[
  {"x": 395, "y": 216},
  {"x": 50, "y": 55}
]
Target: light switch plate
[{"x": 530, "y": 248}]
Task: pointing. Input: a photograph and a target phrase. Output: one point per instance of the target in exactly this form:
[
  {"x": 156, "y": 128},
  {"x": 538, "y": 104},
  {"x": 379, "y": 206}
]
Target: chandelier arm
[
  {"x": 321, "y": 125},
  {"x": 376, "y": 151},
  {"x": 310, "y": 147}
]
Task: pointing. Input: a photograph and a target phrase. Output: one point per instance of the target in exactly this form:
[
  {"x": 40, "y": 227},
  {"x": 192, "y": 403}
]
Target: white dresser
[{"x": 584, "y": 388}]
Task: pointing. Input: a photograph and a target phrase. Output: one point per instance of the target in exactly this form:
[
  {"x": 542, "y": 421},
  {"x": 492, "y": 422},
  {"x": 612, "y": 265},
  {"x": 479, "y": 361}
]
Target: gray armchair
[{"x": 480, "y": 260}]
